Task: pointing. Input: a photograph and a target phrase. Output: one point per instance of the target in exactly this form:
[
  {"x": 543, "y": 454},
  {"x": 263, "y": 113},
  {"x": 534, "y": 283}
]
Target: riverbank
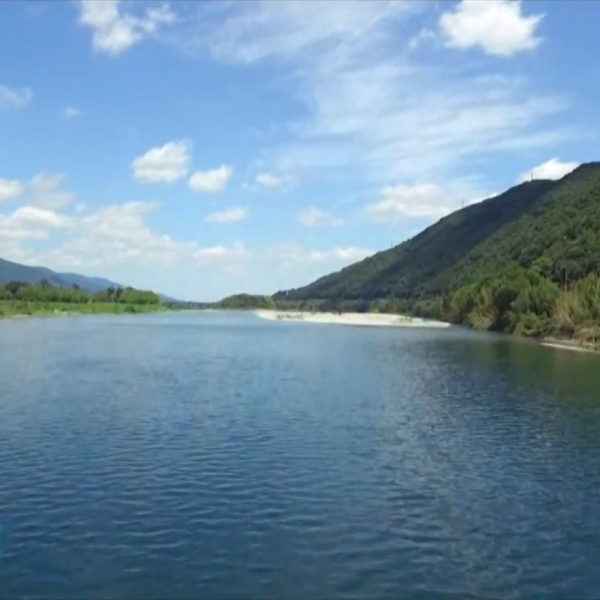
[
  {"x": 358, "y": 319},
  {"x": 16, "y": 309},
  {"x": 390, "y": 320},
  {"x": 569, "y": 345}
]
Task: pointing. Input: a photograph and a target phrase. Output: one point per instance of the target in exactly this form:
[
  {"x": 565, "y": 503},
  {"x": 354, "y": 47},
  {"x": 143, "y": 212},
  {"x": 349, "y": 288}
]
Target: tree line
[
  {"x": 516, "y": 300},
  {"x": 45, "y": 292}
]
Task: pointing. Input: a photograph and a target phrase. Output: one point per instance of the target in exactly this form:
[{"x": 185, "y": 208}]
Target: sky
[{"x": 201, "y": 149}]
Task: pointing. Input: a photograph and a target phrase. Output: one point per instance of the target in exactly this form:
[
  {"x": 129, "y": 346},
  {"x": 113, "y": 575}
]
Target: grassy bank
[{"x": 13, "y": 308}]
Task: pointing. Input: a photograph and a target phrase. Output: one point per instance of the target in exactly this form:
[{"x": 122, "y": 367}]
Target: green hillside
[
  {"x": 245, "y": 301},
  {"x": 526, "y": 261},
  {"x": 546, "y": 225},
  {"x": 419, "y": 264}
]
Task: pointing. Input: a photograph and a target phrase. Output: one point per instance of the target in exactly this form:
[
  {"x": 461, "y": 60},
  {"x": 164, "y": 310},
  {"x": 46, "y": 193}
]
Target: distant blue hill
[{"x": 11, "y": 271}]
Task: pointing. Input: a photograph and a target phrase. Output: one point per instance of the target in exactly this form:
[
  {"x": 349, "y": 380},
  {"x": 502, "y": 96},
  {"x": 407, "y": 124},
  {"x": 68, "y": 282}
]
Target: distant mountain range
[{"x": 11, "y": 271}]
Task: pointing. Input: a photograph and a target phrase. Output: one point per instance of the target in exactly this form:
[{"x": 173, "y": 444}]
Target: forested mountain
[
  {"x": 527, "y": 261},
  {"x": 550, "y": 227},
  {"x": 11, "y": 271}
]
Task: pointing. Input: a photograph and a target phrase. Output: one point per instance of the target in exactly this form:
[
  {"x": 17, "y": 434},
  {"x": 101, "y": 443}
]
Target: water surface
[{"x": 211, "y": 455}]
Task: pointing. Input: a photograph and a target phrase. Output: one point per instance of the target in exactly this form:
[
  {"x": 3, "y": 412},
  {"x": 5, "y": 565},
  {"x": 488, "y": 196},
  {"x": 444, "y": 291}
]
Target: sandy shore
[
  {"x": 361, "y": 319},
  {"x": 567, "y": 345}
]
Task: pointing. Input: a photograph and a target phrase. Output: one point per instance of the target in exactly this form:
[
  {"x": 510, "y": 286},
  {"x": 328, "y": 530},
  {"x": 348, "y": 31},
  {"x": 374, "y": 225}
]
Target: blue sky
[{"x": 201, "y": 149}]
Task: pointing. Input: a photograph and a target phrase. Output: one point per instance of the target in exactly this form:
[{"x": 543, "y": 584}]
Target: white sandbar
[{"x": 362, "y": 319}]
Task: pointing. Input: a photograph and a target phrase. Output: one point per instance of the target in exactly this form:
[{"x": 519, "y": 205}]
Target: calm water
[{"x": 220, "y": 456}]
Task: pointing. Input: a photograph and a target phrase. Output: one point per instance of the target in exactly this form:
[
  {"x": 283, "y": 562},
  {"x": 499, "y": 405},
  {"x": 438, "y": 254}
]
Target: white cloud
[
  {"x": 402, "y": 202},
  {"x": 496, "y": 26},
  {"x": 9, "y": 189},
  {"x": 288, "y": 30},
  {"x": 293, "y": 255},
  {"x": 229, "y": 215},
  {"x": 345, "y": 255},
  {"x": 315, "y": 217},
  {"x": 44, "y": 191},
  {"x": 552, "y": 169},
  {"x": 70, "y": 112},
  {"x": 212, "y": 254},
  {"x": 163, "y": 164},
  {"x": 119, "y": 234},
  {"x": 372, "y": 111},
  {"x": 40, "y": 217},
  {"x": 211, "y": 181},
  {"x": 13, "y": 98},
  {"x": 30, "y": 222},
  {"x": 113, "y": 31},
  {"x": 118, "y": 242},
  {"x": 269, "y": 180}
]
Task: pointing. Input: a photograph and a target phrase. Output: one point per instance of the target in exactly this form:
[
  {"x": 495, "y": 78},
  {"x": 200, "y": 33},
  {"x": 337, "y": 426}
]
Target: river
[{"x": 221, "y": 456}]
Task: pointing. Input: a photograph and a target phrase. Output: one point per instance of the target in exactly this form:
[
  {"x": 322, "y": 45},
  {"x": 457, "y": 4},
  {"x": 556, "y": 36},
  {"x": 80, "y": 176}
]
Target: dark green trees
[{"x": 44, "y": 292}]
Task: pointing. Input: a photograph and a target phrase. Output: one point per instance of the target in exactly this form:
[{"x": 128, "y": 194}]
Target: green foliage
[
  {"x": 23, "y": 298},
  {"x": 552, "y": 228},
  {"x": 126, "y": 295},
  {"x": 247, "y": 302},
  {"x": 516, "y": 300},
  {"x": 525, "y": 262},
  {"x": 418, "y": 267}
]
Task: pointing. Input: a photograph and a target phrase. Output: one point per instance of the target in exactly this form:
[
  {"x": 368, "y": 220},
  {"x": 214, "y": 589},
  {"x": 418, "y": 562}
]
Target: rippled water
[{"x": 219, "y": 456}]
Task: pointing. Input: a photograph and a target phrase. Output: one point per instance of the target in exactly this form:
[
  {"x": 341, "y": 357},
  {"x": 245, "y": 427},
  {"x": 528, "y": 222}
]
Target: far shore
[
  {"x": 388, "y": 320},
  {"x": 360, "y": 319},
  {"x": 568, "y": 345},
  {"x": 8, "y": 312}
]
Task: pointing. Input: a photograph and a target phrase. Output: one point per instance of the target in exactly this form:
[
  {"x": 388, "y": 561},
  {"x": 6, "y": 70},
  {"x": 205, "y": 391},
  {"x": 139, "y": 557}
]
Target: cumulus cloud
[
  {"x": 402, "y": 202},
  {"x": 115, "y": 31},
  {"x": 163, "y": 164},
  {"x": 552, "y": 169},
  {"x": 315, "y": 217},
  {"x": 113, "y": 237},
  {"x": 14, "y": 98},
  {"x": 269, "y": 180},
  {"x": 210, "y": 181},
  {"x": 43, "y": 191},
  {"x": 9, "y": 189},
  {"x": 496, "y": 26},
  {"x": 119, "y": 242},
  {"x": 30, "y": 222},
  {"x": 229, "y": 215},
  {"x": 70, "y": 112},
  {"x": 120, "y": 234}
]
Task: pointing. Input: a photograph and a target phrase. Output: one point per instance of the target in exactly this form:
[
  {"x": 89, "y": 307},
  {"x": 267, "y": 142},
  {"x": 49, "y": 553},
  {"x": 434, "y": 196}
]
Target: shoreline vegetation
[
  {"x": 19, "y": 299},
  {"x": 12, "y": 310},
  {"x": 525, "y": 262},
  {"x": 518, "y": 303},
  {"x": 514, "y": 305}
]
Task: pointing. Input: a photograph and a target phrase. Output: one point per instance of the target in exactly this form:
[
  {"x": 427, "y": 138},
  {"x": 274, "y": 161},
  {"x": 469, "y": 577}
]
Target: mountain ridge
[
  {"x": 13, "y": 271},
  {"x": 528, "y": 224}
]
